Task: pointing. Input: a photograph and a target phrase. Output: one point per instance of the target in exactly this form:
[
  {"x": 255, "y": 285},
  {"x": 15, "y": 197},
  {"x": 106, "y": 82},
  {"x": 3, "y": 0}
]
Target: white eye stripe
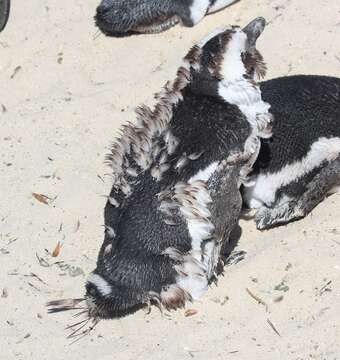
[
  {"x": 232, "y": 67},
  {"x": 101, "y": 284}
]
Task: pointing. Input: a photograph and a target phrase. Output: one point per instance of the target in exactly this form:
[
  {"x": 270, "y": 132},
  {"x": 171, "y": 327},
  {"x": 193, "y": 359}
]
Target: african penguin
[
  {"x": 125, "y": 17},
  {"x": 300, "y": 165},
  {"x": 4, "y": 12},
  {"x": 176, "y": 176}
]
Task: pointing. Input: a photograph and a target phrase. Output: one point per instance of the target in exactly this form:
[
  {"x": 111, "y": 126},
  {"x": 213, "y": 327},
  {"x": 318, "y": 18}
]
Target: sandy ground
[{"x": 63, "y": 94}]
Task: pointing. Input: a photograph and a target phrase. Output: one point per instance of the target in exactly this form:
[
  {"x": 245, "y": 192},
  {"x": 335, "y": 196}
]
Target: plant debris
[
  {"x": 273, "y": 327},
  {"x": 278, "y": 298},
  {"x": 74, "y": 271},
  {"x": 36, "y": 277},
  {"x": 224, "y": 301},
  {"x": 60, "y": 57},
  {"x": 325, "y": 287},
  {"x": 282, "y": 286},
  {"x": 33, "y": 286},
  {"x": 259, "y": 300},
  {"x": 15, "y": 71},
  {"x": 67, "y": 269},
  {"x": 288, "y": 266},
  {"x": 77, "y": 226},
  {"x": 334, "y": 231},
  {"x": 4, "y": 293},
  {"x": 56, "y": 250},
  {"x": 190, "y": 312},
  {"x": 42, "y": 261},
  {"x": 23, "y": 338},
  {"x": 42, "y": 198}
]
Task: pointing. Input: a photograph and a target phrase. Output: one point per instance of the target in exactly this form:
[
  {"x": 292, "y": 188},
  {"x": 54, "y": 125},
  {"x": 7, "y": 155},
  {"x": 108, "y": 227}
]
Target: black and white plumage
[
  {"x": 125, "y": 17},
  {"x": 300, "y": 165},
  {"x": 4, "y": 12},
  {"x": 177, "y": 172}
]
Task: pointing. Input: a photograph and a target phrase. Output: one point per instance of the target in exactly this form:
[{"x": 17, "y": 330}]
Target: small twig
[
  {"x": 77, "y": 226},
  {"x": 33, "y": 286},
  {"x": 259, "y": 300},
  {"x": 42, "y": 261},
  {"x": 273, "y": 327},
  {"x": 15, "y": 71},
  {"x": 37, "y": 277},
  {"x": 324, "y": 288}
]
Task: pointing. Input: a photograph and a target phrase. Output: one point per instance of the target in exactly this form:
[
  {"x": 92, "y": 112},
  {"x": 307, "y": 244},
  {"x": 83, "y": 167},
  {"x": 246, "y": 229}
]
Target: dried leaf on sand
[
  {"x": 56, "y": 250},
  {"x": 190, "y": 312},
  {"x": 41, "y": 198}
]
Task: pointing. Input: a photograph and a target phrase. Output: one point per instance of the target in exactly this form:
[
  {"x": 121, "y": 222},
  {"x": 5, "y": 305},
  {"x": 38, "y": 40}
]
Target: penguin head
[
  {"x": 228, "y": 55},
  {"x": 127, "y": 17}
]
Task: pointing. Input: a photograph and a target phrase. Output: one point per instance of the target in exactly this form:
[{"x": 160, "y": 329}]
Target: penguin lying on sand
[
  {"x": 4, "y": 12},
  {"x": 177, "y": 172},
  {"x": 125, "y": 17},
  {"x": 300, "y": 165}
]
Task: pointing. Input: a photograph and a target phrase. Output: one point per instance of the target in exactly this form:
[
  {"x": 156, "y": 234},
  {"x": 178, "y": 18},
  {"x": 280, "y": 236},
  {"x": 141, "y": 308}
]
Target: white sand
[{"x": 60, "y": 119}]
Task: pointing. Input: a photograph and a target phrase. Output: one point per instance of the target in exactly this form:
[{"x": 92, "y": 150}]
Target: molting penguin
[
  {"x": 300, "y": 165},
  {"x": 124, "y": 17},
  {"x": 177, "y": 171},
  {"x": 4, "y": 12}
]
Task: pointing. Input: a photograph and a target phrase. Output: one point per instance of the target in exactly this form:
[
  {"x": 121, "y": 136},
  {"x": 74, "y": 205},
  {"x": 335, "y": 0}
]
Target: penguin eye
[{"x": 91, "y": 290}]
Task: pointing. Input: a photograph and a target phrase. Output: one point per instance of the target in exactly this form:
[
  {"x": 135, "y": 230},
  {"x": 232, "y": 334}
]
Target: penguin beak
[{"x": 253, "y": 30}]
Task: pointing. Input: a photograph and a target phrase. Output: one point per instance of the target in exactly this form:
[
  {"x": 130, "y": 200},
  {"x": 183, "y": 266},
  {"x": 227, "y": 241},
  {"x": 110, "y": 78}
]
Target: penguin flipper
[{"x": 325, "y": 182}]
